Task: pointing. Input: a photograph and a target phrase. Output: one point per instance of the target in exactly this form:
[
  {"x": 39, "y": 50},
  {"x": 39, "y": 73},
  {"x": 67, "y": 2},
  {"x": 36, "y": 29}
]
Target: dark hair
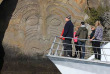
[{"x": 82, "y": 23}]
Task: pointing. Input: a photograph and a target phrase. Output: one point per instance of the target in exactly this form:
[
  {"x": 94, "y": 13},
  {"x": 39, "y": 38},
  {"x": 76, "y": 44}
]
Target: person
[
  {"x": 93, "y": 32},
  {"x": 91, "y": 36},
  {"x": 82, "y": 33},
  {"x": 68, "y": 32},
  {"x": 98, "y": 37},
  {"x": 77, "y": 50}
]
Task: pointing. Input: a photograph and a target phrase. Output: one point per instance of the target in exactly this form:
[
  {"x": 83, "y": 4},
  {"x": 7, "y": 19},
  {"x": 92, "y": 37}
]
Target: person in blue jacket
[{"x": 68, "y": 32}]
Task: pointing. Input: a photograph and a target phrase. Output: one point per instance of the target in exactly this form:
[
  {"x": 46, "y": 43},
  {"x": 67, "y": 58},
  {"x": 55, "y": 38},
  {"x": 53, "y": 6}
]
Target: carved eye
[
  {"x": 55, "y": 22},
  {"x": 32, "y": 20}
]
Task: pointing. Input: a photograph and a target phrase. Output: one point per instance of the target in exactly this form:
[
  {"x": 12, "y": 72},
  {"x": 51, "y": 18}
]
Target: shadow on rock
[{"x": 7, "y": 8}]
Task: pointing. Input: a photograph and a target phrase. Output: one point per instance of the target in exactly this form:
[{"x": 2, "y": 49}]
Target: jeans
[
  {"x": 83, "y": 48},
  {"x": 97, "y": 51}
]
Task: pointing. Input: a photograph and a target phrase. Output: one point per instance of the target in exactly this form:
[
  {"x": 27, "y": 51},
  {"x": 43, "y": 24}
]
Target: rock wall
[
  {"x": 1, "y": 1},
  {"x": 96, "y": 3},
  {"x": 35, "y": 23},
  {"x": 106, "y": 24}
]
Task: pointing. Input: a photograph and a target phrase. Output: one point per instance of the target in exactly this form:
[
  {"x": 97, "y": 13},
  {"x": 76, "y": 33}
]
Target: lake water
[{"x": 29, "y": 66}]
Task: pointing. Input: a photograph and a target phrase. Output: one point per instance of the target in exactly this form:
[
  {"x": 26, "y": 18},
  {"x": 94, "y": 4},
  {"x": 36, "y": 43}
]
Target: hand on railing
[
  {"x": 91, "y": 39},
  {"x": 79, "y": 39},
  {"x": 61, "y": 37}
]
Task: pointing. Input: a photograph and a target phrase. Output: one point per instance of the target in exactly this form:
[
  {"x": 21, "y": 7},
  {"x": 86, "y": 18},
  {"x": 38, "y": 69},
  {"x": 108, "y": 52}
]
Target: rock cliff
[
  {"x": 96, "y": 3},
  {"x": 34, "y": 23},
  {"x": 1, "y": 1}
]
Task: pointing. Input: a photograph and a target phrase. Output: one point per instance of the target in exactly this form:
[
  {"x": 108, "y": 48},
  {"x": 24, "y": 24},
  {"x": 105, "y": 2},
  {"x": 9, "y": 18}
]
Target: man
[
  {"x": 82, "y": 33},
  {"x": 68, "y": 32}
]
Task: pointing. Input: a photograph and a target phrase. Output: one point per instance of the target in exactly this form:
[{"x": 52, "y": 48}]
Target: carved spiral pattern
[{"x": 36, "y": 22}]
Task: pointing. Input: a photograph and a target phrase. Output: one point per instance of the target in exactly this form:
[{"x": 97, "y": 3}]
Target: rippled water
[{"x": 29, "y": 66}]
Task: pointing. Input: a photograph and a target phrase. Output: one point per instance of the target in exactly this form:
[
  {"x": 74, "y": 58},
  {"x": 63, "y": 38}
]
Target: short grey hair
[{"x": 69, "y": 17}]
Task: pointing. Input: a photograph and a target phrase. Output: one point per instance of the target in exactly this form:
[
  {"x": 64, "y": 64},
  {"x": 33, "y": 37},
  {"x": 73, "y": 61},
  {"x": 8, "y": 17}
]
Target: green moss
[{"x": 95, "y": 14}]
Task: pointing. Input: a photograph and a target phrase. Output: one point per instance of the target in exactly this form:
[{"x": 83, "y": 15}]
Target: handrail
[
  {"x": 81, "y": 45},
  {"x": 83, "y": 39},
  {"x": 55, "y": 52}
]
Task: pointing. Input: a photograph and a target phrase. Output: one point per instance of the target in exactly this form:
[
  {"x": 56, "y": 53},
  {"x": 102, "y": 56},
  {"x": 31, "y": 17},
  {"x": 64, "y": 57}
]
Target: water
[{"x": 28, "y": 65}]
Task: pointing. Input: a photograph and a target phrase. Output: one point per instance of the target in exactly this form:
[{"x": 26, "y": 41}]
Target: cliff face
[
  {"x": 96, "y": 3},
  {"x": 35, "y": 23},
  {"x": 1, "y": 1},
  {"x": 106, "y": 24}
]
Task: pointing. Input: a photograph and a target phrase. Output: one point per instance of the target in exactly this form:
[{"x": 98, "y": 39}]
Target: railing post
[
  {"x": 61, "y": 50},
  {"x": 52, "y": 46},
  {"x": 104, "y": 54},
  {"x": 57, "y": 47}
]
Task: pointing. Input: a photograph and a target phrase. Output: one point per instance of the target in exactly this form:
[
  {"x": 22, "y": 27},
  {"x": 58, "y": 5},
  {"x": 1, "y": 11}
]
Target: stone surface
[
  {"x": 1, "y": 1},
  {"x": 106, "y": 24},
  {"x": 96, "y": 3},
  {"x": 35, "y": 23}
]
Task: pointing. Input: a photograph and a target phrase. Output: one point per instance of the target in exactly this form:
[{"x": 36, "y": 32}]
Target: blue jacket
[{"x": 68, "y": 29}]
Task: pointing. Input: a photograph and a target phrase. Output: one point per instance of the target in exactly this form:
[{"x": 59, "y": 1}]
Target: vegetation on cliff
[{"x": 95, "y": 14}]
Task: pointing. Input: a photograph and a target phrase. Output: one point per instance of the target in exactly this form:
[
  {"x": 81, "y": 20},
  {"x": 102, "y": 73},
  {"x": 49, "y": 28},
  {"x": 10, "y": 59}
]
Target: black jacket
[
  {"x": 92, "y": 34},
  {"x": 68, "y": 29}
]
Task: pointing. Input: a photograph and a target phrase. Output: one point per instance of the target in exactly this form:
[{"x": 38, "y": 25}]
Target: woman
[
  {"x": 77, "y": 49},
  {"x": 98, "y": 37}
]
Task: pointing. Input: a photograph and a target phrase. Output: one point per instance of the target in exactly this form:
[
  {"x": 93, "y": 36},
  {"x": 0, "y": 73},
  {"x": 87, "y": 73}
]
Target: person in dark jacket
[
  {"x": 68, "y": 32},
  {"x": 92, "y": 33},
  {"x": 91, "y": 36},
  {"x": 82, "y": 33}
]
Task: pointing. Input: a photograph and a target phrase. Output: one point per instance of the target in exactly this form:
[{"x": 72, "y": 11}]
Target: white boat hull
[{"x": 75, "y": 66}]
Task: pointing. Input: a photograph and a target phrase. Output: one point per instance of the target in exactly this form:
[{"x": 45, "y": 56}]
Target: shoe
[
  {"x": 68, "y": 55},
  {"x": 74, "y": 56}
]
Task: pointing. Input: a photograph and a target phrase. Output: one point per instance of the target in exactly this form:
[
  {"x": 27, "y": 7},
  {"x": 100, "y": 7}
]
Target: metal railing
[{"x": 57, "y": 48}]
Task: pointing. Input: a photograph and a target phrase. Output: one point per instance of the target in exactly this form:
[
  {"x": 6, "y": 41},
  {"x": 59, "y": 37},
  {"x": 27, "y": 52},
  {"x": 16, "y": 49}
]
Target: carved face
[{"x": 35, "y": 23}]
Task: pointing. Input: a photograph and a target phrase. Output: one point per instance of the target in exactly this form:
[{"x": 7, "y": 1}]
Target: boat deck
[{"x": 67, "y": 65}]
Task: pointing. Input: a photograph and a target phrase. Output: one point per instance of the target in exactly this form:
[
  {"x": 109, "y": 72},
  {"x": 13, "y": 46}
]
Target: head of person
[
  {"x": 82, "y": 23},
  {"x": 76, "y": 28},
  {"x": 68, "y": 18},
  {"x": 98, "y": 23},
  {"x": 93, "y": 28}
]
